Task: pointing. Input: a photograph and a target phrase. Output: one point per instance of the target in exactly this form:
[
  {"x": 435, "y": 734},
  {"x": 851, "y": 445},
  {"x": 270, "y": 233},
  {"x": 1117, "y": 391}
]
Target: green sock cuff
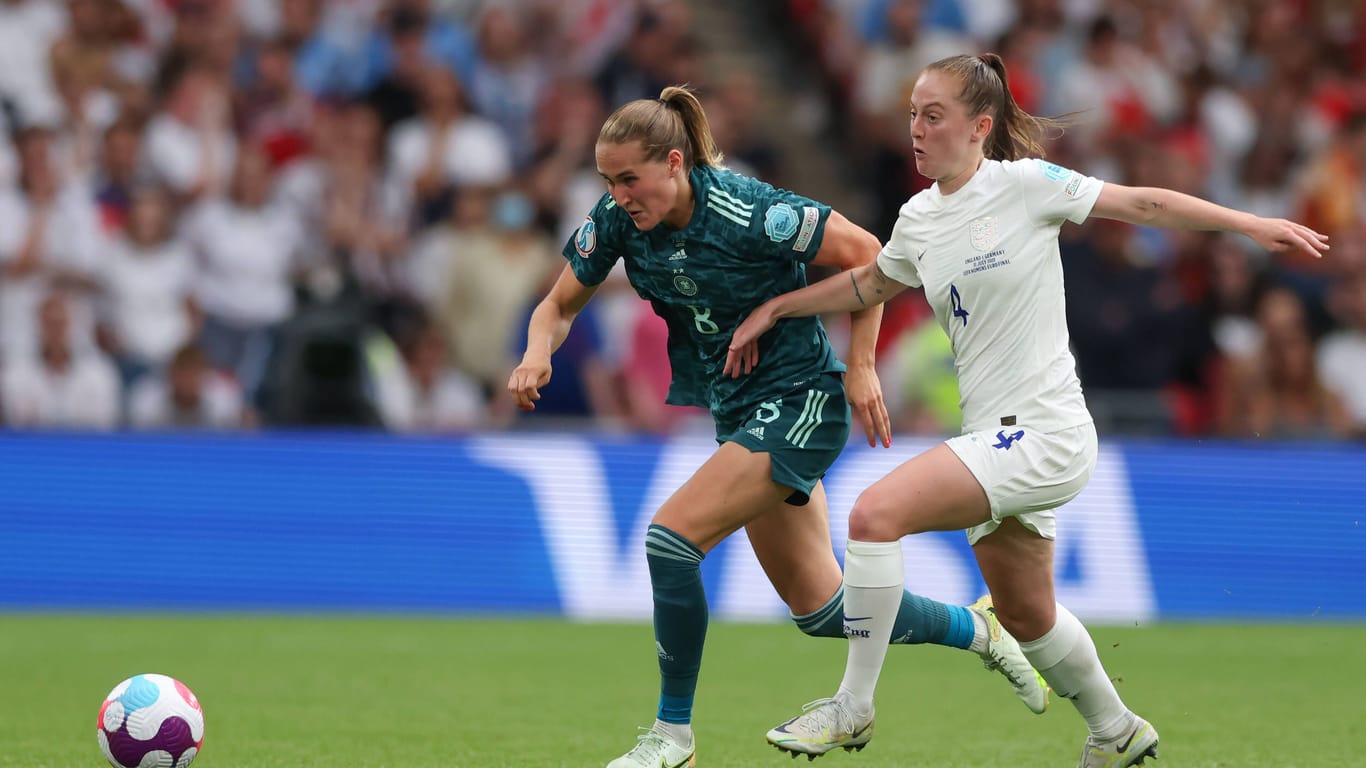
[
  {"x": 662, "y": 542},
  {"x": 826, "y": 621}
]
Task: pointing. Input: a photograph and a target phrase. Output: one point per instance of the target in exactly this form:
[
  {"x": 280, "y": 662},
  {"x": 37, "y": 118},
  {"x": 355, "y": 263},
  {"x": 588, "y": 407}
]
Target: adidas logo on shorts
[{"x": 757, "y": 432}]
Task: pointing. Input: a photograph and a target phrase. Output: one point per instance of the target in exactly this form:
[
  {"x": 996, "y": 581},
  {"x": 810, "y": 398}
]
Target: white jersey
[{"x": 988, "y": 258}]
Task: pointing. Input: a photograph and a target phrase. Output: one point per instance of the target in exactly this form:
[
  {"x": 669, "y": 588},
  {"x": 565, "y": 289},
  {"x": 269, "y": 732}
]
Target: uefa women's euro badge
[{"x": 586, "y": 239}]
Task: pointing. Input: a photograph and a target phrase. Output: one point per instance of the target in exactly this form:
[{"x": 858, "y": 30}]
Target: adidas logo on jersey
[{"x": 757, "y": 432}]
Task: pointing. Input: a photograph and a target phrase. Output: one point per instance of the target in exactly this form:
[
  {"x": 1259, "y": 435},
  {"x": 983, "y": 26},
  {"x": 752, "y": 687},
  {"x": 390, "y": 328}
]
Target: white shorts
[{"x": 1027, "y": 474}]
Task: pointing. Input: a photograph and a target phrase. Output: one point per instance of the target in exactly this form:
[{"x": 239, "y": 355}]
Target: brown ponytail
[
  {"x": 673, "y": 121},
  {"x": 986, "y": 91}
]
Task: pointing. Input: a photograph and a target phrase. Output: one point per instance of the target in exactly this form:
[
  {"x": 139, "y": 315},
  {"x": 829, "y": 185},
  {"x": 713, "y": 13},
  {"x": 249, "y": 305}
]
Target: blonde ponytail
[{"x": 675, "y": 120}]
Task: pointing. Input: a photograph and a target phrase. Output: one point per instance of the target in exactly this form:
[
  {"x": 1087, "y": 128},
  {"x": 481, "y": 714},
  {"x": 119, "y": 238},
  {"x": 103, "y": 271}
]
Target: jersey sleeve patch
[
  {"x": 811, "y": 216},
  {"x": 1053, "y": 171},
  {"x": 780, "y": 222},
  {"x": 586, "y": 239}
]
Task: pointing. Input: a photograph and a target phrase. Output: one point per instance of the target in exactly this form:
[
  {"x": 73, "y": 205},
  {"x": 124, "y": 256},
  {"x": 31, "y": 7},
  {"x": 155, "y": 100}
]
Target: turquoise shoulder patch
[
  {"x": 1053, "y": 171},
  {"x": 780, "y": 222}
]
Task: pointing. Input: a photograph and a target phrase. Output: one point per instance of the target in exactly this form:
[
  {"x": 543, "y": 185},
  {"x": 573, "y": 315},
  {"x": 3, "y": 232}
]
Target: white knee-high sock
[
  {"x": 874, "y": 579},
  {"x": 1066, "y": 657}
]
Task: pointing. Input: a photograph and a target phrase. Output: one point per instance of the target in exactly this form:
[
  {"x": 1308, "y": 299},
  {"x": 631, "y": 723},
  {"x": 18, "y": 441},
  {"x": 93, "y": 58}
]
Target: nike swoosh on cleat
[
  {"x": 1125, "y": 746},
  {"x": 857, "y": 618}
]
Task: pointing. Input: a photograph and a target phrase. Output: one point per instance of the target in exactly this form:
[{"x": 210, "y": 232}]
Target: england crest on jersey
[{"x": 982, "y": 233}]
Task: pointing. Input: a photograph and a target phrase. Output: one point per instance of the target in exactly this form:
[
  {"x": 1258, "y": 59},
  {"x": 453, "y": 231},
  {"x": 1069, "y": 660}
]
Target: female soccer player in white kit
[{"x": 983, "y": 241}]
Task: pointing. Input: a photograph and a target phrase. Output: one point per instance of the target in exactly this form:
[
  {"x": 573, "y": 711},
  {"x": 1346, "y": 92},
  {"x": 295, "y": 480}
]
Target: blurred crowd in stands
[{"x": 272, "y": 213}]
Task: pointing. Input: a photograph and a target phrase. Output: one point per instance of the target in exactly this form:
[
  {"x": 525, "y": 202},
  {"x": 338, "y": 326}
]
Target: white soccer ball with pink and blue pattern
[{"x": 151, "y": 721}]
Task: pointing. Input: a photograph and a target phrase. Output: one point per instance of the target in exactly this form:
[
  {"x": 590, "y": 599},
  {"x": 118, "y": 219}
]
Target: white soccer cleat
[
  {"x": 1003, "y": 655},
  {"x": 655, "y": 750},
  {"x": 1137, "y": 744},
  {"x": 823, "y": 725}
]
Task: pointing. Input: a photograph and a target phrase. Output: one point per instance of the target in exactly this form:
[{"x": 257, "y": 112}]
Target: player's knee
[{"x": 874, "y": 517}]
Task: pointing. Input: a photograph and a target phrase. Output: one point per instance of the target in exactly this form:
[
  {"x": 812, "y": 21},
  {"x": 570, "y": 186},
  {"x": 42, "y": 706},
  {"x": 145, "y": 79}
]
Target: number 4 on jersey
[{"x": 956, "y": 299}]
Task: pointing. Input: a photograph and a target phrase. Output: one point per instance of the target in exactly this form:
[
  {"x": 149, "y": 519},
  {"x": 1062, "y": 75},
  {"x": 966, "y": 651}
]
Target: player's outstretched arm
[
  {"x": 1174, "y": 210},
  {"x": 848, "y": 291},
  {"x": 549, "y": 327},
  {"x": 847, "y": 246}
]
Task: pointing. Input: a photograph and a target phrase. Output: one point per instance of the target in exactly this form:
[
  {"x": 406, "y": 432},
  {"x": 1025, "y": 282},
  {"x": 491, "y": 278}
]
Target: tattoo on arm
[
  {"x": 857, "y": 294},
  {"x": 881, "y": 278}
]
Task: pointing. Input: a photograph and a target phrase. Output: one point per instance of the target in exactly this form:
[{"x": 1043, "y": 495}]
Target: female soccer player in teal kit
[{"x": 706, "y": 246}]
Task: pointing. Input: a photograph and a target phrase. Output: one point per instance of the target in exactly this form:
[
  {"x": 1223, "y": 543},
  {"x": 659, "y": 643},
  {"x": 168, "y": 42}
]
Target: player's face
[
  {"x": 648, "y": 190},
  {"x": 947, "y": 140}
]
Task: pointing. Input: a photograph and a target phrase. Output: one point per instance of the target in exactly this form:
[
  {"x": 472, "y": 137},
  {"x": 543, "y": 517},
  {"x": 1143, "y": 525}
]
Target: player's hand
[
  {"x": 743, "y": 354},
  {"x": 864, "y": 390},
  {"x": 1282, "y": 236},
  {"x": 527, "y": 380}
]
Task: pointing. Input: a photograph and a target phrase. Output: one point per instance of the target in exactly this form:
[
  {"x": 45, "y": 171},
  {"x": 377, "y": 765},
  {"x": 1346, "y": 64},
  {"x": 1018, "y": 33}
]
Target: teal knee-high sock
[
  {"x": 680, "y": 619},
  {"x": 919, "y": 620}
]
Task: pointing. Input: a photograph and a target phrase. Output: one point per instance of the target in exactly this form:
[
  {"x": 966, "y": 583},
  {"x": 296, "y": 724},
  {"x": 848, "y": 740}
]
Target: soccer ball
[{"x": 150, "y": 721}]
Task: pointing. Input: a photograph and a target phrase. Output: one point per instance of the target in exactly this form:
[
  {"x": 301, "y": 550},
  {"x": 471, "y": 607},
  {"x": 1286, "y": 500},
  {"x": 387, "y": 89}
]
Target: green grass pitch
[{"x": 450, "y": 693}]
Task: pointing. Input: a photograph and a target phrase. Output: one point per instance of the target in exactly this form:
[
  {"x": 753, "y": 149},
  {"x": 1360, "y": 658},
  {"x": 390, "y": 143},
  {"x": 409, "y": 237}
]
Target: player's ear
[
  {"x": 981, "y": 128},
  {"x": 675, "y": 161}
]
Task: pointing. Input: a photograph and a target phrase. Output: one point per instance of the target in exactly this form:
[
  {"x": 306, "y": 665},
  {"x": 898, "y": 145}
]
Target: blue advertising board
[{"x": 553, "y": 523}]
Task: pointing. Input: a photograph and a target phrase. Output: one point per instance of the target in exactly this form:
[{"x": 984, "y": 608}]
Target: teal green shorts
[{"x": 802, "y": 431}]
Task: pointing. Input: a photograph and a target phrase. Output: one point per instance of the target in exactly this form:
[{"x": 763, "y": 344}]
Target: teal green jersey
[{"x": 746, "y": 243}]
